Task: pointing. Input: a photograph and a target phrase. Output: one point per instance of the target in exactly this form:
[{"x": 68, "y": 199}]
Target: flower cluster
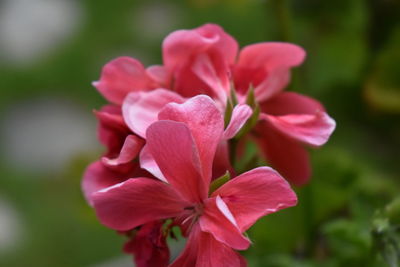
[{"x": 172, "y": 131}]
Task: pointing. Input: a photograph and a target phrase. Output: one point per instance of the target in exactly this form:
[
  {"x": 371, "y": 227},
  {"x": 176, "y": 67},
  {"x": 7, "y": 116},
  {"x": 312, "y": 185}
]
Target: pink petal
[
  {"x": 121, "y": 76},
  {"x": 241, "y": 113},
  {"x": 136, "y": 201},
  {"x": 202, "y": 250},
  {"x": 149, "y": 246},
  {"x": 97, "y": 177},
  {"x": 286, "y": 155},
  {"x": 159, "y": 74},
  {"x": 148, "y": 163},
  {"x": 140, "y": 109},
  {"x": 219, "y": 221},
  {"x": 299, "y": 117},
  {"x": 129, "y": 151},
  {"x": 111, "y": 128},
  {"x": 180, "y": 45},
  {"x": 221, "y": 162},
  {"x": 205, "y": 122},
  {"x": 255, "y": 194},
  {"x": 266, "y": 67},
  {"x": 173, "y": 148}
]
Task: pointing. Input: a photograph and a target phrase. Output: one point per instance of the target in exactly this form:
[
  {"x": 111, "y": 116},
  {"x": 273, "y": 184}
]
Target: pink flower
[
  {"x": 183, "y": 144},
  {"x": 203, "y": 60}
]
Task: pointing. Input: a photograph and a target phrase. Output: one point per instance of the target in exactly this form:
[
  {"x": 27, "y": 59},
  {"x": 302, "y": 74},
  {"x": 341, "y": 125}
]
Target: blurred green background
[{"x": 51, "y": 50}]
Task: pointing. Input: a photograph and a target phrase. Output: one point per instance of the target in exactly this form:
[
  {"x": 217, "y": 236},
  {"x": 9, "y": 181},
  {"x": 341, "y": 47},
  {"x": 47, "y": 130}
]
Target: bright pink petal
[
  {"x": 219, "y": 221},
  {"x": 136, "y": 201},
  {"x": 266, "y": 67},
  {"x": 286, "y": 155},
  {"x": 121, "y": 76},
  {"x": 173, "y": 148},
  {"x": 255, "y": 194},
  {"x": 129, "y": 151},
  {"x": 149, "y": 246},
  {"x": 205, "y": 122},
  {"x": 148, "y": 163},
  {"x": 97, "y": 177},
  {"x": 140, "y": 109},
  {"x": 299, "y": 117},
  {"x": 241, "y": 113}
]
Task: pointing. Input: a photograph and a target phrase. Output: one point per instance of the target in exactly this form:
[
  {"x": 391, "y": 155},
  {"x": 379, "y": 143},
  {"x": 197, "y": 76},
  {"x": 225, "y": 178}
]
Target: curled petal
[
  {"x": 148, "y": 163},
  {"x": 218, "y": 220},
  {"x": 299, "y": 117},
  {"x": 140, "y": 109},
  {"x": 173, "y": 148},
  {"x": 129, "y": 151},
  {"x": 136, "y": 201},
  {"x": 121, "y": 76},
  {"x": 254, "y": 194},
  {"x": 205, "y": 123},
  {"x": 240, "y": 114}
]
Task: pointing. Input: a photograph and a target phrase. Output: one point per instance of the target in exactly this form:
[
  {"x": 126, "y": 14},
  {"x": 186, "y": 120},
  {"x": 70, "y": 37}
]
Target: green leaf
[{"x": 217, "y": 183}]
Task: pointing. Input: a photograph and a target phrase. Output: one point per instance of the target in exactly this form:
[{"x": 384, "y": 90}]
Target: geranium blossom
[{"x": 183, "y": 143}]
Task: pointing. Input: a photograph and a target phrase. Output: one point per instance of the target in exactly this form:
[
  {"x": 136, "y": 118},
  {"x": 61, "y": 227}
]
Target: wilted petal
[
  {"x": 136, "y": 201},
  {"x": 148, "y": 163},
  {"x": 203, "y": 250},
  {"x": 129, "y": 151},
  {"x": 299, "y": 117},
  {"x": 205, "y": 122},
  {"x": 240, "y": 114},
  {"x": 254, "y": 194},
  {"x": 140, "y": 109},
  {"x": 219, "y": 221},
  {"x": 149, "y": 246},
  {"x": 286, "y": 155},
  {"x": 121, "y": 76},
  {"x": 174, "y": 150}
]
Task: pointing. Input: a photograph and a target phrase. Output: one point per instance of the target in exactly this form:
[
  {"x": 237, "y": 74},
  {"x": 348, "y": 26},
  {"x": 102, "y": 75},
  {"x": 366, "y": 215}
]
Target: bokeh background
[{"x": 51, "y": 51}]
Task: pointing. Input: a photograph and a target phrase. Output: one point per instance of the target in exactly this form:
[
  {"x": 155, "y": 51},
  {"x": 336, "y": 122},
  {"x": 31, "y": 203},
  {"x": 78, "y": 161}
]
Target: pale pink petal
[
  {"x": 148, "y": 163},
  {"x": 203, "y": 250},
  {"x": 219, "y": 221},
  {"x": 140, "y": 109},
  {"x": 121, "y": 76},
  {"x": 205, "y": 122},
  {"x": 286, "y": 155},
  {"x": 136, "y": 201},
  {"x": 299, "y": 117},
  {"x": 205, "y": 70},
  {"x": 173, "y": 148},
  {"x": 97, "y": 177},
  {"x": 240, "y": 114},
  {"x": 255, "y": 194},
  {"x": 266, "y": 66},
  {"x": 129, "y": 151}
]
